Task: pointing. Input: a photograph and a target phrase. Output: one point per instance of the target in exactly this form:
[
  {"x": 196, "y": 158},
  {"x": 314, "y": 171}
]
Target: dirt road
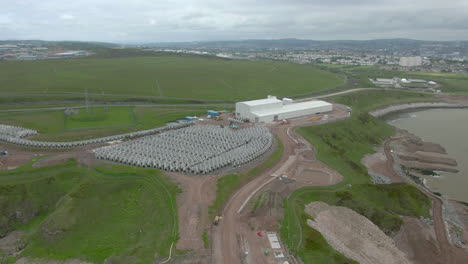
[
  {"x": 198, "y": 194},
  {"x": 233, "y": 238}
]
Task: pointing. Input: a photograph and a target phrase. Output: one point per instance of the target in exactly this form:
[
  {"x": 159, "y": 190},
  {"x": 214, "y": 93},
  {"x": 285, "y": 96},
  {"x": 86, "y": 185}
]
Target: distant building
[
  {"x": 272, "y": 109},
  {"x": 7, "y": 47},
  {"x": 414, "y": 83},
  {"x": 70, "y": 54},
  {"x": 411, "y": 61},
  {"x": 26, "y": 57},
  {"x": 385, "y": 82}
]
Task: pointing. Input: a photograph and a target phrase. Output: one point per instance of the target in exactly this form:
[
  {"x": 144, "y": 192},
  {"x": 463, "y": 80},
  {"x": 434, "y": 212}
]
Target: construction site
[{"x": 197, "y": 152}]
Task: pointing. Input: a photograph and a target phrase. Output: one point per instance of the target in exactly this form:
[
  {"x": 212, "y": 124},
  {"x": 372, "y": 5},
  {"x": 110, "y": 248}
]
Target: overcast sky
[{"x": 134, "y": 21}]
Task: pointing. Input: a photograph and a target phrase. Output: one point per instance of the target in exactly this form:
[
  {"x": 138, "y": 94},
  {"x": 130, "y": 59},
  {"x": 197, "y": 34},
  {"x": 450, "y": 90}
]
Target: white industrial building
[
  {"x": 411, "y": 61},
  {"x": 272, "y": 109}
]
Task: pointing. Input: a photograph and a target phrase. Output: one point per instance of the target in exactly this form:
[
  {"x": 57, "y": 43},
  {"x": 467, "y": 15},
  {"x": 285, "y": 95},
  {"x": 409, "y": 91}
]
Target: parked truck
[{"x": 217, "y": 219}]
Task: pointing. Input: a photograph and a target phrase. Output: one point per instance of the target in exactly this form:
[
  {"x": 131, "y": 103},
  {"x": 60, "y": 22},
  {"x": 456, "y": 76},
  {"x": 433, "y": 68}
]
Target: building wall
[
  {"x": 297, "y": 113},
  {"x": 244, "y": 110}
]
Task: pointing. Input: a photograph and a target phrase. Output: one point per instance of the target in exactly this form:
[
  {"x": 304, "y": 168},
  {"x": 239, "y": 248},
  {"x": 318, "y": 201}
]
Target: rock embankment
[
  {"x": 404, "y": 107},
  {"x": 354, "y": 235},
  {"x": 428, "y": 157},
  {"x": 416, "y": 156}
]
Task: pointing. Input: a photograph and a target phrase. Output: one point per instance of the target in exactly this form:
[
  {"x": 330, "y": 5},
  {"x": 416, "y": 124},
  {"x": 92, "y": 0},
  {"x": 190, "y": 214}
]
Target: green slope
[{"x": 67, "y": 211}]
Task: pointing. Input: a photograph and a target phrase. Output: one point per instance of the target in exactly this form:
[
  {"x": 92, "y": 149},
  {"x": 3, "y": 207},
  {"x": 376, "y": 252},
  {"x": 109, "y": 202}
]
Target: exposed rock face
[
  {"x": 12, "y": 243},
  {"x": 354, "y": 235}
]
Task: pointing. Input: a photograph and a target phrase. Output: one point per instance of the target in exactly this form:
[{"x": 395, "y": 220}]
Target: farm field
[
  {"x": 165, "y": 77},
  {"x": 134, "y": 221},
  {"x": 341, "y": 146},
  {"x": 55, "y": 125}
]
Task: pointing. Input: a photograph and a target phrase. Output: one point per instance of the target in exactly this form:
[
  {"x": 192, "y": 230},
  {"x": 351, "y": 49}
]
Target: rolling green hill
[{"x": 195, "y": 77}]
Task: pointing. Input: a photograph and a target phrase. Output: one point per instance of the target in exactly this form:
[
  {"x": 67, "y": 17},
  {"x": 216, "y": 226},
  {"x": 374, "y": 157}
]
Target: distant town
[
  {"x": 387, "y": 54},
  {"x": 414, "y": 63},
  {"x": 37, "y": 52}
]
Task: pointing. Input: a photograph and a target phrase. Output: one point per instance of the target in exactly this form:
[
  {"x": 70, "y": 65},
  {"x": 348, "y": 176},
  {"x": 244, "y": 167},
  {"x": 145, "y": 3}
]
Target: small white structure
[
  {"x": 272, "y": 109},
  {"x": 274, "y": 241}
]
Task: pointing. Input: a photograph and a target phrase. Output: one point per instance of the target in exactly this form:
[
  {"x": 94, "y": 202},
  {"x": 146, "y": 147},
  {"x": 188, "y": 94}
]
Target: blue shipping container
[{"x": 212, "y": 113}]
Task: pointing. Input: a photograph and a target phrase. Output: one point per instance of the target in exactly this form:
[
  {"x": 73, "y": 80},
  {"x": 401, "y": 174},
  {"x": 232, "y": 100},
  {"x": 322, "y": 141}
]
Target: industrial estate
[{"x": 200, "y": 159}]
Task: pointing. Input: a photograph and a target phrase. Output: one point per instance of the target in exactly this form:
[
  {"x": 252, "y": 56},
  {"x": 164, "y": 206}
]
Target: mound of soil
[{"x": 354, "y": 235}]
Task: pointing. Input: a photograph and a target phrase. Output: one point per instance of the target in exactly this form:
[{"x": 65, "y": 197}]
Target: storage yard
[
  {"x": 16, "y": 132},
  {"x": 194, "y": 149}
]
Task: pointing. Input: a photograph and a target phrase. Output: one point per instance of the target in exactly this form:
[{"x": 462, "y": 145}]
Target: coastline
[
  {"x": 453, "y": 210},
  {"x": 387, "y": 113},
  {"x": 409, "y": 107}
]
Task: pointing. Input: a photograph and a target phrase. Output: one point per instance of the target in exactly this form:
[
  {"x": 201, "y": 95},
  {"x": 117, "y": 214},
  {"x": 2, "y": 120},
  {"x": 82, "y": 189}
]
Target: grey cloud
[{"x": 179, "y": 20}]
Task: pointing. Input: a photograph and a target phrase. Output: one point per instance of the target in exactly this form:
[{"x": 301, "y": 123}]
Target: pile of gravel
[
  {"x": 455, "y": 227},
  {"x": 354, "y": 235},
  {"x": 378, "y": 178}
]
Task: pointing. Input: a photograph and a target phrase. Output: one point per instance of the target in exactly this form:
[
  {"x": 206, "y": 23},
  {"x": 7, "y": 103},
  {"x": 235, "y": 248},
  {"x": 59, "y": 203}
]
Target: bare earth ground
[
  {"x": 418, "y": 240},
  {"x": 354, "y": 235},
  {"x": 18, "y": 156},
  {"x": 198, "y": 193},
  {"x": 15, "y": 157},
  {"x": 377, "y": 163},
  {"x": 13, "y": 243}
]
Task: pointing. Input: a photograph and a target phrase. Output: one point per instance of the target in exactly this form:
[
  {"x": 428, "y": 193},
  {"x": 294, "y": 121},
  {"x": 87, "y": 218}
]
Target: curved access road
[{"x": 229, "y": 237}]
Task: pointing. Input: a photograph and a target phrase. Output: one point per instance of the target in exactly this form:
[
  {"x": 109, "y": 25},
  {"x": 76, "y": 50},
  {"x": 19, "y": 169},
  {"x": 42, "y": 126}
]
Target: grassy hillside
[
  {"x": 99, "y": 121},
  {"x": 66, "y": 211},
  {"x": 341, "y": 146},
  {"x": 204, "y": 78}
]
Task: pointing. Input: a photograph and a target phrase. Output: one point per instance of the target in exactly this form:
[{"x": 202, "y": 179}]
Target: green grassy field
[
  {"x": 56, "y": 125},
  {"x": 119, "y": 213},
  {"x": 342, "y": 145},
  {"x": 204, "y": 78},
  {"x": 98, "y": 117}
]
